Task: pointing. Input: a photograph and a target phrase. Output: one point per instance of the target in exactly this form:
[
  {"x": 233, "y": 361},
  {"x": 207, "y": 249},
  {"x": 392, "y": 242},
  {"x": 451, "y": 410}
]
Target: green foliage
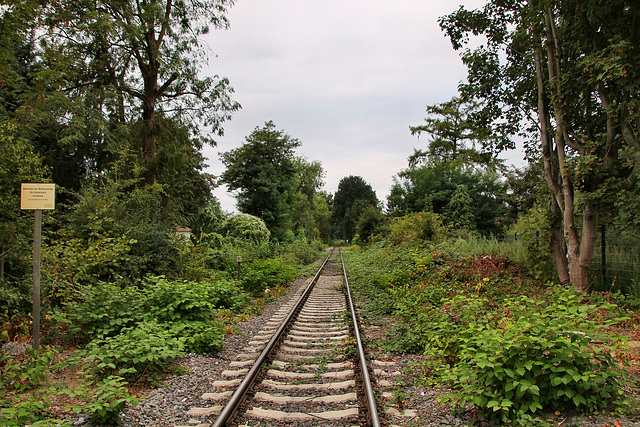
[
  {"x": 590, "y": 150},
  {"x": 453, "y": 136},
  {"x": 353, "y": 196},
  {"x": 415, "y": 228},
  {"x": 23, "y": 375},
  {"x": 537, "y": 356},
  {"x": 259, "y": 275},
  {"x": 31, "y": 412},
  {"x": 264, "y": 170},
  {"x": 104, "y": 399},
  {"x": 533, "y": 233},
  {"x": 18, "y": 164},
  {"x": 199, "y": 336},
  {"x": 507, "y": 348},
  {"x": 25, "y": 371},
  {"x": 430, "y": 188},
  {"x": 248, "y": 228},
  {"x": 136, "y": 332},
  {"x": 83, "y": 262},
  {"x": 142, "y": 350},
  {"x": 209, "y": 219},
  {"x": 459, "y": 210},
  {"x": 134, "y": 214},
  {"x": 370, "y": 222},
  {"x": 299, "y": 252},
  {"x": 104, "y": 310}
]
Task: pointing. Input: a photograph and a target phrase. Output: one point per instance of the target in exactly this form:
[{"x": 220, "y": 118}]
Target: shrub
[
  {"x": 141, "y": 350},
  {"x": 269, "y": 273},
  {"x": 26, "y": 371},
  {"x": 247, "y": 227},
  {"x": 186, "y": 301},
  {"x": 538, "y": 356},
  {"x": 416, "y": 227},
  {"x": 104, "y": 399},
  {"x": 533, "y": 232},
  {"x": 103, "y": 310},
  {"x": 199, "y": 336}
]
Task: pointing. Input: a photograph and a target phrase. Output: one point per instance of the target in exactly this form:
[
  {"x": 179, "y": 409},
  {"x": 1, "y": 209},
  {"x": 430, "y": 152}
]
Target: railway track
[{"x": 306, "y": 367}]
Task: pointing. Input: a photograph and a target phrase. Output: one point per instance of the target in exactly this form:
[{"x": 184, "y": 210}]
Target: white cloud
[{"x": 345, "y": 77}]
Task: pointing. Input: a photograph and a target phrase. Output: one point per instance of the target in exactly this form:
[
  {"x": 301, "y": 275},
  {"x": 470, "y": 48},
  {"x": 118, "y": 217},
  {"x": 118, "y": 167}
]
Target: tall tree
[
  {"x": 262, "y": 170},
  {"x": 456, "y": 135},
  {"x": 353, "y": 196},
  {"x": 571, "y": 69},
  {"x": 307, "y": 207},
  {"x": 430, "y": 188},
  {"x": 134, "y": 59},
  {"x": 459, "y": 209},
  {"x": 18, "y": 164}
]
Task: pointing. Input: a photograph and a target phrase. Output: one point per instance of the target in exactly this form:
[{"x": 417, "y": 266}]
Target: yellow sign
[{"x": 38, "y": 197}]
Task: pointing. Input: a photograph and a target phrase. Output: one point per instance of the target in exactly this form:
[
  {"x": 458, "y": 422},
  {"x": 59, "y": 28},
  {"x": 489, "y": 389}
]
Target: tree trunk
[
  {"x": 581, "y": 253},
  {"x": 556, "y": 240},
  {"x": 551, "y": 172}
]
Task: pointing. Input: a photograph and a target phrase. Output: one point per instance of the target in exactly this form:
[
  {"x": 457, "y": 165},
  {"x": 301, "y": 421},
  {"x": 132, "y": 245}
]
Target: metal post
[
  {"x": 239, "y": 268},
  {"x": 37, "y": 256},
  {"x": 603, "y": 248}
]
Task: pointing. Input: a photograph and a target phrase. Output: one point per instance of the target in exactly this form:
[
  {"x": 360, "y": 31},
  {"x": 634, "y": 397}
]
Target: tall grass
[{"x": 478, "y": 245}]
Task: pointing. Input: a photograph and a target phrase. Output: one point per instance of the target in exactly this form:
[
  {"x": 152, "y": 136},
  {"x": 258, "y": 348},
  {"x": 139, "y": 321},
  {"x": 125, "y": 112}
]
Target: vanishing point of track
[{"x": 306, "y": 367}]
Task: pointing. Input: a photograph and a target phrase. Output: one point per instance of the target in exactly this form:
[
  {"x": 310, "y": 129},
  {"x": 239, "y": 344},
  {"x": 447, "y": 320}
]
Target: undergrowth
[{"x": 506, "y": 344}]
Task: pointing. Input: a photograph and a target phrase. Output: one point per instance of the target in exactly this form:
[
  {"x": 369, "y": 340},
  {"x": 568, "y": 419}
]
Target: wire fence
[{"x": 616, "y": 261}]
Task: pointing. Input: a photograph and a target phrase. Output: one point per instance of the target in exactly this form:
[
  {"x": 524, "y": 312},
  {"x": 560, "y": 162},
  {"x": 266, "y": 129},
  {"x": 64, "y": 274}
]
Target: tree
[
  {"x": 131, "y": 60},
  {"x": 430, "y": 188},
  {"x": 369, "y": 223},
  {"x": 18, "y": 164},
  {"x": 308, "y": 210},
  {"x": 17, "y": 23},
  {"x": 453, "y": 135},
  {"x": 262, "y": 171},
  {"x": 354, "y": 194},
  {"x": 568, "y": 71},
  {"x": 459, "y": 211}
]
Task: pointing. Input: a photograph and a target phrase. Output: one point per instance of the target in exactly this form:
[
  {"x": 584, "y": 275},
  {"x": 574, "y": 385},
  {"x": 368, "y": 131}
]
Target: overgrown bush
[
  {"x": 134, "y": 332},
  {"x": 104, "y": 399},
  {"x": 299, "y": 252},
  {"x": 25, "y": 371},
  {"x": 142, "y": 350},
  {"x": 537, "y": 356},
  {"x": 248, "y": 228},
  {"x": 533, "y": 232},
  {"x": 509, "y": 347},
  {"x": 259, "y": 275},
  {"x": 417, "y": 227}
]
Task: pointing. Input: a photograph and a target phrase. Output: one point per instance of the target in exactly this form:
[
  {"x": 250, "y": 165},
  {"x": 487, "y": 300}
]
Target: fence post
[{"x": 603, "y": 248}]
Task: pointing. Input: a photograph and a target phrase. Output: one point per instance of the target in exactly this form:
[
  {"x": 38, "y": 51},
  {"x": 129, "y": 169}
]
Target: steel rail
[
  {"x": 236, "y": 399},
  {"x": 370, "y": 399}
]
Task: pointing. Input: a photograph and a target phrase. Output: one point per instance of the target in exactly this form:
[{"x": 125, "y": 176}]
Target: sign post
[{"x": 37, "y": 197}]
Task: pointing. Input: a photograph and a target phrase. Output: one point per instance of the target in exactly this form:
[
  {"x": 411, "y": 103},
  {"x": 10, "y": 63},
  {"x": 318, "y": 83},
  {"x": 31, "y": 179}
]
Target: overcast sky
[{"x": 345, "y": 77}]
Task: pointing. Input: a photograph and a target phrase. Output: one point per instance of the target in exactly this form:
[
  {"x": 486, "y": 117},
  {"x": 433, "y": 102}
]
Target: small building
[{"x": 184, "y": 232}]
